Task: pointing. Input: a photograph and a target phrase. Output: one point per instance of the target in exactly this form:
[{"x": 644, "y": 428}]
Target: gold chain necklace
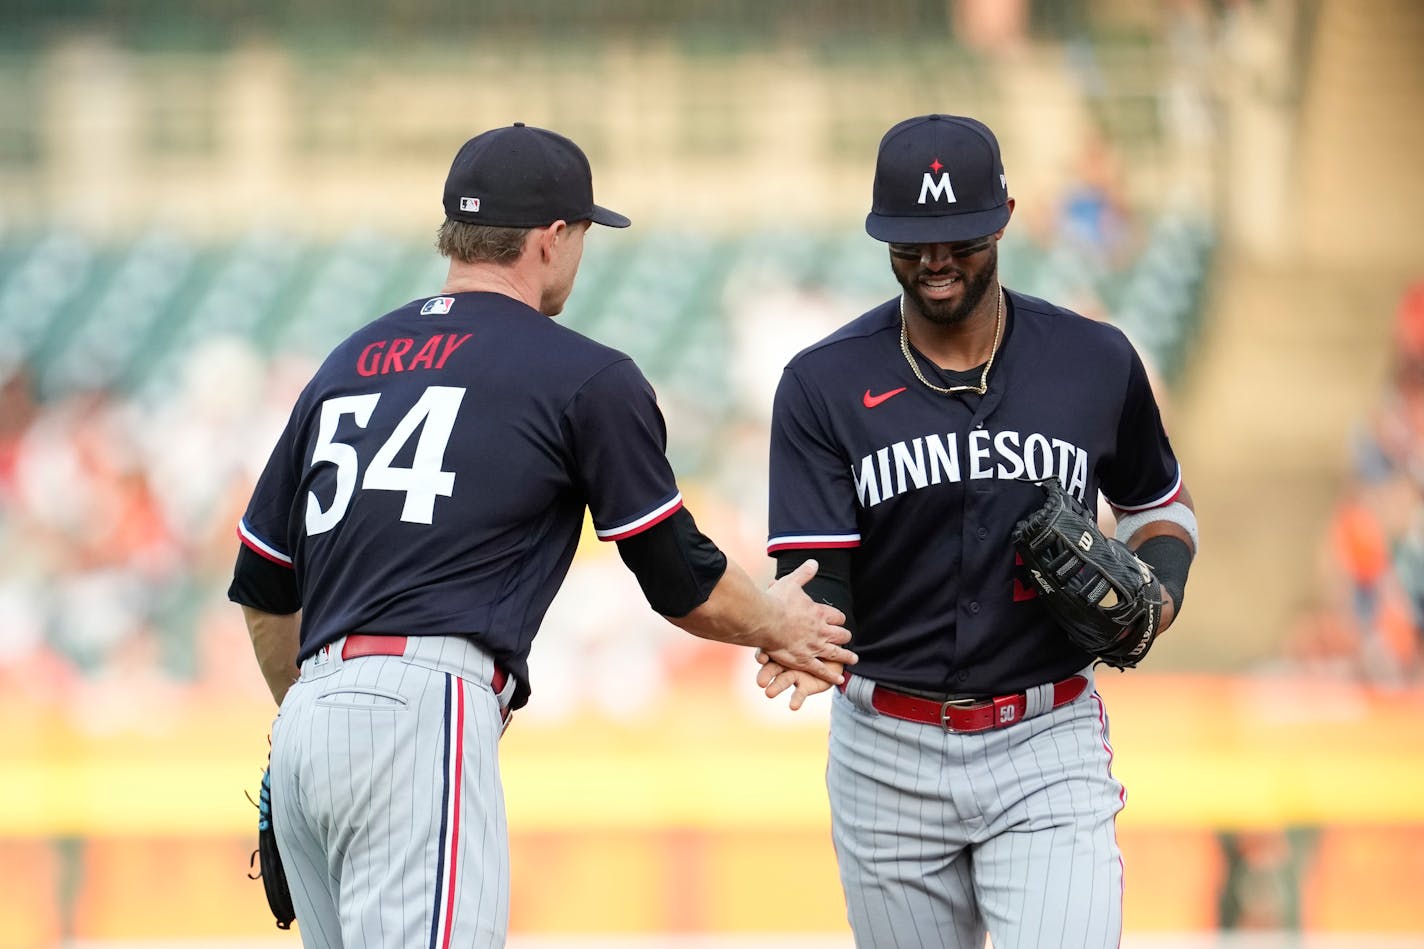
[{"x": 983, "y": 385}]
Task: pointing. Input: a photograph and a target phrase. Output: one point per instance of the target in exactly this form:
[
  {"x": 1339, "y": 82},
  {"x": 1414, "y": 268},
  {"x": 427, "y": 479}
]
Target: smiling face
[{"x": 946, "y": 282}]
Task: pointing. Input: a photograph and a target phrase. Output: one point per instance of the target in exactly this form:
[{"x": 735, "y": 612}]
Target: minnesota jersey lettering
[{"x": 933, "y": 459}]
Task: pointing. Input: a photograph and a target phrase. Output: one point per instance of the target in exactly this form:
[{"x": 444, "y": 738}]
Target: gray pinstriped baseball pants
[
  {"x": 941, "y": 837},
  {"x": 387, "y": 801}
]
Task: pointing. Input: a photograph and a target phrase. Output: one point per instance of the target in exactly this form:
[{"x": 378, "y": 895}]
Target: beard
[{"x": 945, "y": 312}]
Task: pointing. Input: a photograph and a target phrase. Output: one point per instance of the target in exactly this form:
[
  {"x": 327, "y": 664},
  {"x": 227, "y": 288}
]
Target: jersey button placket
[{"x": 975, "y": 532}]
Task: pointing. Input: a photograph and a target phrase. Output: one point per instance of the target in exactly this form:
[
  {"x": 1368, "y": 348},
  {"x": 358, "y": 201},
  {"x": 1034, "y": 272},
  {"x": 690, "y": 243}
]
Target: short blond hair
[{"x": 480, "y": 243}]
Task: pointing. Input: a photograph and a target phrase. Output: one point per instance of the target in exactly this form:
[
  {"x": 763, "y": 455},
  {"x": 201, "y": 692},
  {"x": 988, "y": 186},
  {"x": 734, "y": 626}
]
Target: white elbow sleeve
[{"x": 1176, "y": 513}]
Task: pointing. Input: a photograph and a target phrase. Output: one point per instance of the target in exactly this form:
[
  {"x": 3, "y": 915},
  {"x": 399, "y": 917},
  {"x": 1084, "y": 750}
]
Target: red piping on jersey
[
  {"x": 1103, "y": 727},
  {"x": 1122, "y": 799},
  {"x": 632, "y": 532},
  {"x": 810, "y": 545},
  {"x": 1176, "y": 493},
  {"x": 259, "y": 551},
  {"x": 451, "y": 877},
  {"x": 1152, "y": 507}
]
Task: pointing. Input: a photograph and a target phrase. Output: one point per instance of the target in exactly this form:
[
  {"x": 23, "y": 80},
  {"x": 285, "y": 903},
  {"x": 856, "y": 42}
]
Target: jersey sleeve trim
[
  {"x": 809, "y": 541},
  {"x": 1167, "y": 498},
  {"x": 640, "y": 524},
  {"x": 260, "y": 547}
]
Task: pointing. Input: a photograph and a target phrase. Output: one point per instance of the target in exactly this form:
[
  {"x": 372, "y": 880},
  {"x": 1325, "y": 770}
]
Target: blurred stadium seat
[
  {"x": 196, "y": 202},
  {"x": 148, "y": 302}
]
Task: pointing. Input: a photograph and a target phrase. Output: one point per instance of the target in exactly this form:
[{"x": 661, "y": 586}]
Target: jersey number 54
[{"x": 433, "y": 414}]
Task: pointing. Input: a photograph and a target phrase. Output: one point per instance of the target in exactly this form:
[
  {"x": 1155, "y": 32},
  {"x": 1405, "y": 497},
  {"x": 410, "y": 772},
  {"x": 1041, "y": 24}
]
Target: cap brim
[
  {"x": 608, "y": 218},
  {"x": 936, "y": 229}
]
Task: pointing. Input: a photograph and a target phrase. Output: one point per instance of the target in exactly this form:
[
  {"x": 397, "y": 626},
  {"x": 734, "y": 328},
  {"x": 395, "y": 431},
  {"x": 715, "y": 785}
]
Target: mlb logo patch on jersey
[
  {"x": 469, "y": 204},
  {"x": 437, "y": 305}
]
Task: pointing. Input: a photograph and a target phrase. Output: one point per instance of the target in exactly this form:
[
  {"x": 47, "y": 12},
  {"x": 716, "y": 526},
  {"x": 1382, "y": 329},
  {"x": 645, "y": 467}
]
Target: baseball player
[
  {"x": 415, "y": 520},
  {"x": 969, "y": 764}
]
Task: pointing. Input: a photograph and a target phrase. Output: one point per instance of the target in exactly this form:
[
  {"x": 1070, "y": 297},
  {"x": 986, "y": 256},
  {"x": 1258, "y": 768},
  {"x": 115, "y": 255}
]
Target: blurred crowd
[
  {"x": 118, "y": 509},
  {"x": 1369, "y": 621},
  {"x": 117, "y": 534}
]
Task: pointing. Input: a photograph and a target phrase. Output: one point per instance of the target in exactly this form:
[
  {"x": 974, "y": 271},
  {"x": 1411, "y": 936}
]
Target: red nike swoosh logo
[{"x": 871, "y": 401}]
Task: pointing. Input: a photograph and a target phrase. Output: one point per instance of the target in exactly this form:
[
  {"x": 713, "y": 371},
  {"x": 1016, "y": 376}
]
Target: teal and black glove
[{"x": 269, "y": 860}]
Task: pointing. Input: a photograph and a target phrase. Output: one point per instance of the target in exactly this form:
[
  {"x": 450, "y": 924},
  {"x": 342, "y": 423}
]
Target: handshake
[{"x": 812, "y": 658}]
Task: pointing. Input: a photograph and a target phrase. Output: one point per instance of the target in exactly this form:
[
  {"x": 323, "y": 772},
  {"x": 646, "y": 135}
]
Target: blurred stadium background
[{"x": 197, "y": 199}]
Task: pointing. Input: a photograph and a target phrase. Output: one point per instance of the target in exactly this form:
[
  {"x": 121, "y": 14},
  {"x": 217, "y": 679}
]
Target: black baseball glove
[
  {"x": 1108, "y": 601},
  {"x": 269, "y": 861}
]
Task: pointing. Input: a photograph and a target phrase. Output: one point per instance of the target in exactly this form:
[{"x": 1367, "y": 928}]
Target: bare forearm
[
  {"x": 275, "y": 641},
  {"x": 737, "y": 612},
  {"x": 793, "y": 629}
]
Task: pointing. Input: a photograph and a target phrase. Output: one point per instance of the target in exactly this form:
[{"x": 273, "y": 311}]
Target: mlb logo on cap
[
  {"x": 525, "y": 177},
  {"x": 938, "y": 179}
]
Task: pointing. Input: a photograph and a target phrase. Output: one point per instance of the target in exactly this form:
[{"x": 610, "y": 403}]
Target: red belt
[
  {"x": 977, "y": 716},
  {"x": 366, "y": 644}
]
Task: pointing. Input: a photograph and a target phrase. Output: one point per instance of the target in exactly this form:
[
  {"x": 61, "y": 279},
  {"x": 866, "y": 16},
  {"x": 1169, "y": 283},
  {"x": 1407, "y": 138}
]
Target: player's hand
[
  {"x": 811, "y": 637},
  {"x": 1169, "y": 612},
  {"x": 775, "y": 679}
]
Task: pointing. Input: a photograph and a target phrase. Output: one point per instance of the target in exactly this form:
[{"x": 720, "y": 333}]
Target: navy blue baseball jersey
[
  {"x": 434, "y": 474},
  {"x": 925, "y": 488}
]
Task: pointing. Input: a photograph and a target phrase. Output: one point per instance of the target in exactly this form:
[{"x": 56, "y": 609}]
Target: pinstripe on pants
[
  {"x": 943, "y": 836},
  {"x": 387, "y": 800}
]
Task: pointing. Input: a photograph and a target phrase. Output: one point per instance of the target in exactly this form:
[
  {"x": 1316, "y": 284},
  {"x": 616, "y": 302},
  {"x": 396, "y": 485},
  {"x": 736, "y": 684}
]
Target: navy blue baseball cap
[
  {"x": 521, "y": 176},
  {"x": 938, "y": 179}
]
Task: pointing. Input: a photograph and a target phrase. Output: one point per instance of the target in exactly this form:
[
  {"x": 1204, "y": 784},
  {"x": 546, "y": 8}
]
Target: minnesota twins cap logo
[
  {"x": 938, "y": 178},
  {"x": 934, "y": 189},
  {"x": 437, "y": 305}
]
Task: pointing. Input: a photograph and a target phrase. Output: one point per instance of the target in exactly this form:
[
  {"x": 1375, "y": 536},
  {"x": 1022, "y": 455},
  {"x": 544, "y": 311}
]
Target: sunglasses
[{"x": 959, "y": 250}]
